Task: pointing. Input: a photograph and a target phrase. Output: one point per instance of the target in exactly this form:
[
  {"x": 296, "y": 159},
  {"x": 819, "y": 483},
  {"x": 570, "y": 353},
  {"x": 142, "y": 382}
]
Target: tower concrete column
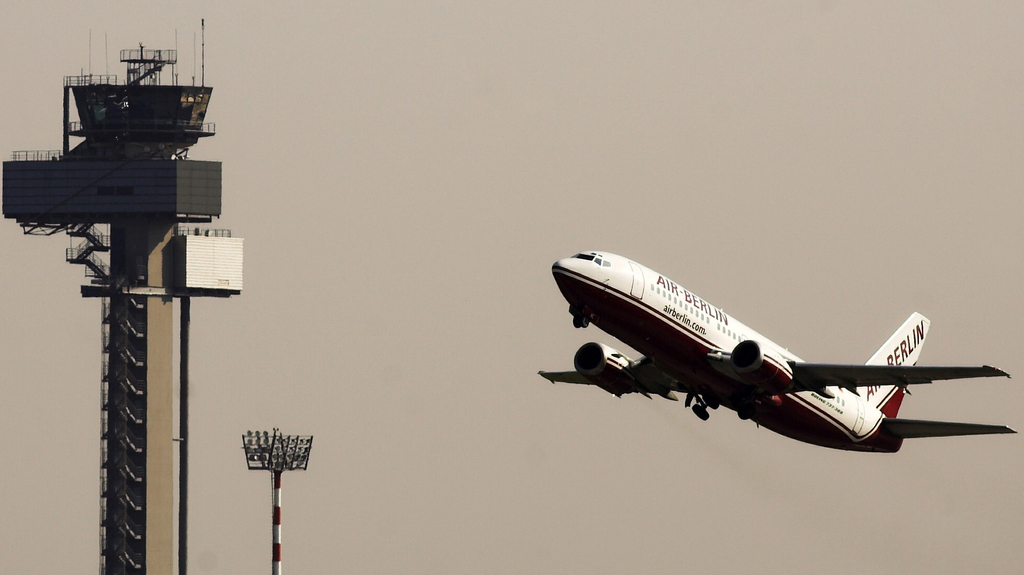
[
  {"x": 160, "y": 403},
  {"x": 159, "y": 440}
]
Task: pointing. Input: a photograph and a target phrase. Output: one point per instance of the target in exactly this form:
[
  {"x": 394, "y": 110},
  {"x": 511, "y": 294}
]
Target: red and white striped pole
[{"x": 277, "y": 523}]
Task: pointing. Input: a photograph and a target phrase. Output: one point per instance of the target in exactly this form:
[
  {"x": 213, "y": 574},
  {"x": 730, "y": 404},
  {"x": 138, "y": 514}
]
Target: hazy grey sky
[{"x": 405, "y": 173}]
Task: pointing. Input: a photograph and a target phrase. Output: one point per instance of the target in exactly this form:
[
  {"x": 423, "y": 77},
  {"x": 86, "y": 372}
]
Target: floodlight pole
[
  {"x": 276, "y": 453},
  {"x": 276, "y": 570}
]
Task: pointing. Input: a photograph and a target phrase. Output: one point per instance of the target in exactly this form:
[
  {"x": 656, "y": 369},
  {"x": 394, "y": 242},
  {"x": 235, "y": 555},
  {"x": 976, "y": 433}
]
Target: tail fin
[{"x": 902, "y": 348}]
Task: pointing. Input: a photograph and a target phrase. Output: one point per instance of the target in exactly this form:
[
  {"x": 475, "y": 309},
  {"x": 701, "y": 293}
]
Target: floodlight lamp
[{"x": 276, "y": 452}]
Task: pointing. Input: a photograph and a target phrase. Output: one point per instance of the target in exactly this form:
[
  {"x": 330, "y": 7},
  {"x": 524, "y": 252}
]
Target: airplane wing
[
  {"x": 565, "y": 377},
  {"x": 911, "y": 428},
  {"x": 647, "y": 377},
  {"x": 816, "y": 376}
]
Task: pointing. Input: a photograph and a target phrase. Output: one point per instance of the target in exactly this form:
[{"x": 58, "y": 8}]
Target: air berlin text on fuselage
[
  {"x": 685, "y": 320},
  {"x": 670, "y": 287},
  {"x": 907, "y": 346}
]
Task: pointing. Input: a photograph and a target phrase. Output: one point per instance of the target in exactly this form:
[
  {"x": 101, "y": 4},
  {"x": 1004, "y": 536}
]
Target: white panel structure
[{"x": 209, "y": 263}]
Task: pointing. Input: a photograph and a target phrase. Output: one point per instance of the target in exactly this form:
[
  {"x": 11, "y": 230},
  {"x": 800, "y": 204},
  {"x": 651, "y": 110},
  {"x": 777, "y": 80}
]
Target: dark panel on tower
[
  {"x": 99, "y": 191},
  {"x": 199, "y": 188}
]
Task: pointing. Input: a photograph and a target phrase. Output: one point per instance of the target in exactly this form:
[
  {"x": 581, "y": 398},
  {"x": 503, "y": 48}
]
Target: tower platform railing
[
  {"x": 90, "y": 79},
  {"x": 36, "y": 155}
]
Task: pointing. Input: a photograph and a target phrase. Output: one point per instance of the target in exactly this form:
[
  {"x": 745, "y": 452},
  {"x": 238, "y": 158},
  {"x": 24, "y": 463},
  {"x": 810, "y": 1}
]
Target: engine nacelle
[
  {"x": 765, "y": 370},
  {"x": 606, "y": 367}
]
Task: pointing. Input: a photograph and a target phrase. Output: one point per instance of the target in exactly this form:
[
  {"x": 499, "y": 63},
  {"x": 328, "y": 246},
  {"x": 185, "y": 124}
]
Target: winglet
[{"x": 999, "y": 372}]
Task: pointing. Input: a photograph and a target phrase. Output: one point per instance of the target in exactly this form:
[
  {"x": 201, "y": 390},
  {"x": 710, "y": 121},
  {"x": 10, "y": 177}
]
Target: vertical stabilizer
[{"x": 902, "y": 348}]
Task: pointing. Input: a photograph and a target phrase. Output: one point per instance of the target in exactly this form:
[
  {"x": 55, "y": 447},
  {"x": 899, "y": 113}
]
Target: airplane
[{"x": 692, "y": 347}]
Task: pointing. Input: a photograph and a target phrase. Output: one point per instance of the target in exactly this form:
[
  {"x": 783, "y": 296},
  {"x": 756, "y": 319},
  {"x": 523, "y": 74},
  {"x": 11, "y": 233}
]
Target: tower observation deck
[{"x": 129, "y": 198}]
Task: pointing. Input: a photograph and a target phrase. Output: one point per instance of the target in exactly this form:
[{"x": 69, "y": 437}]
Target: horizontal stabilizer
[
  {"x": 816, "y": 376},
  {"x": 911, "y": 428}
]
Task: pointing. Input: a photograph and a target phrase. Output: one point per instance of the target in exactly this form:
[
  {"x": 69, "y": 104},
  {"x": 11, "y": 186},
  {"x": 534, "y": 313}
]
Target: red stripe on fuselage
[{"x": 684, "y": 353}]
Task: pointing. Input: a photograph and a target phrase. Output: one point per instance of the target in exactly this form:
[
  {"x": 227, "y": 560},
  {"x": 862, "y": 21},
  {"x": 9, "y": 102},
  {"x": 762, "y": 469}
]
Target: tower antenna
[{"x": 202, "y": 25}]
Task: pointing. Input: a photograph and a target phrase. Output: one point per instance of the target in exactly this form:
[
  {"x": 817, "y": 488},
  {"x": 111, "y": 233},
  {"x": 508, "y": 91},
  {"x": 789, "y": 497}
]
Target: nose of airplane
[
  {"x": 565, "y": 264},
  {"x": 566, "y": 272}
]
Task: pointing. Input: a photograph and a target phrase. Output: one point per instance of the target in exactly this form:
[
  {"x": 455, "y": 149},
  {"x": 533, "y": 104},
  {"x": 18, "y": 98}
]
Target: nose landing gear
[{"x": 578, "y": 319}]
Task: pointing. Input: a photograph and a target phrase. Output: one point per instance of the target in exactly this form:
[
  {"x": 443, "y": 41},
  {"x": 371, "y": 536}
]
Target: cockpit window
[{"x": 596, "y": 258}]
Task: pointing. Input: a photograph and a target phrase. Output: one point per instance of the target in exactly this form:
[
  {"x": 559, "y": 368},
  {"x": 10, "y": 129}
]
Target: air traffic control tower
[{"x": 130, "y": 199}]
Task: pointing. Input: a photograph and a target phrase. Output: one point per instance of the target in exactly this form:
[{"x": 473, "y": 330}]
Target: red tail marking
[{"x": 891, "y": 407}]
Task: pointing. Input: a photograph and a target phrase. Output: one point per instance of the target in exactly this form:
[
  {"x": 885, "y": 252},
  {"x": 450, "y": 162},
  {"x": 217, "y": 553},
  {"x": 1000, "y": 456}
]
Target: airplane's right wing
[
  {"x": 911, "y": 428},
  {"x": 565, "y": 377}
]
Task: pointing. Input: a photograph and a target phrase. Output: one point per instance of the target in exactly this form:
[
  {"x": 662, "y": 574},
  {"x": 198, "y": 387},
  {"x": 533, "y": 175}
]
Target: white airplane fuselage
[{"x": 678, "y": 330}]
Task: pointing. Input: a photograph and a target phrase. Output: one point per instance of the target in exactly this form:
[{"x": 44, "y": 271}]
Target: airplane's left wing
[
  {"x": 911, "y": 428},
  {"x": 817, "y": 376},
  {"x": 615, "y": 373}
]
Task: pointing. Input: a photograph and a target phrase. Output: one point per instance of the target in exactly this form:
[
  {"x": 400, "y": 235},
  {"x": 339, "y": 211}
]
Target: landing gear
[
  {"x": 701, "y": 412},
  {"x": 711, "y": 401},
  {"x": 700, "y": 409},
  {"x": 578, "y": 319},
  {"x": 746, "y": 411}
]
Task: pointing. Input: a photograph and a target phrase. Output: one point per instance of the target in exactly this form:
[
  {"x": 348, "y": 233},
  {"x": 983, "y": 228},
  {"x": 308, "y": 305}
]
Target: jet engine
[
  {"x": 606, "y": 367},
  {"x": 767, "y": 371}
]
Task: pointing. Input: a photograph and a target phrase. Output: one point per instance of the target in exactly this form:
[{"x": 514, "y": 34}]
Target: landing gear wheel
[
  {"x": 746, "y": 411},
  {"x": 711, "y": 401},
  {"x": 701, "y": 412},
  {"x": 578, "y": 319}
]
